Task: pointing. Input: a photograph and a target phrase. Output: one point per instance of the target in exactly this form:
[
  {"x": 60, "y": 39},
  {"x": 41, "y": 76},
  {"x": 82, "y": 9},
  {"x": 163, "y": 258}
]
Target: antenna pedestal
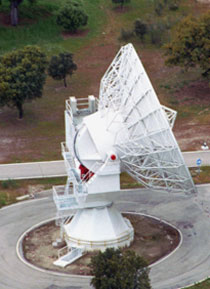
[{"x": 98, "y": 228}]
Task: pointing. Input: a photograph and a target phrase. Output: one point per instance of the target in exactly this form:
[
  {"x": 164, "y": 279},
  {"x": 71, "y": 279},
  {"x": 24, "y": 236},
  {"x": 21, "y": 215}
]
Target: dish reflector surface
[{"x": 145, "y": 142}]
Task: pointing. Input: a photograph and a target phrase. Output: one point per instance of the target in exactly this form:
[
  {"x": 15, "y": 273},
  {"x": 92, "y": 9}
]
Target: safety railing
[{"x": 64, "y": 201}]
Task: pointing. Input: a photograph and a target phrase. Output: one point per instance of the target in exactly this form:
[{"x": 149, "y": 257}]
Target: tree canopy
[
  {"x": 114, "y": 269},
  {"x": 22, "y": 76},
  {"x": 190, "y": 45},
  {"x": 72, "y": 15},
  {"x": 62, "y": 65}
]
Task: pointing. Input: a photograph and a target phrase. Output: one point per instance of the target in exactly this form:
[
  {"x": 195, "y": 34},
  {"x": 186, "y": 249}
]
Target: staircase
[{"x": 72, "y": 255}]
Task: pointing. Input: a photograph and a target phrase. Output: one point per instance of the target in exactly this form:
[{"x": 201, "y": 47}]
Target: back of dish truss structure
[{"x": 126, "y": 129}]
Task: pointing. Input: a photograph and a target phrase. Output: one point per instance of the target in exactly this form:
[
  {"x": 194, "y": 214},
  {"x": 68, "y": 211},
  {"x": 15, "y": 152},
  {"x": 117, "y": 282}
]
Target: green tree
[
  {"x": 114, "y": 269},
  {"x": 62, "y": 65},
  {"x": 190, "y": 45},
  {"x": 140, "y": 29},
  {"x": 14, "y": 4},
  {"x": 22, "y": 76},
  {"x": 72, "y": 15},
  {"x": 121, "y": 2}
]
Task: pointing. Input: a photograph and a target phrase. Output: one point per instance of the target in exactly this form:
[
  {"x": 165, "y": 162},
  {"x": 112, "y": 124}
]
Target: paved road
[
  {"x": 189, "y": 264},
  {"x": 14, "y": 274},
  {"x": 32, "y": 170},
  {"x": 57, "y": 168},
  {"x": 191, "y": 157}
]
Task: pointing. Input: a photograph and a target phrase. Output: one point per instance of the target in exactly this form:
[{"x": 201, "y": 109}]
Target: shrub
[
  {"x": 140, "y": 28},
  {"x": 72, "y": 15},
  {"x": 125, "y": 34},
  {"x": 156, "y": 33},
  {"x": 173, "y": 6},
  {"x": 160, "y": 5},
  {"x": 8, "y": 184},
  {"x": 159, "y": 8},
  {"x": 3, "y": 199}
]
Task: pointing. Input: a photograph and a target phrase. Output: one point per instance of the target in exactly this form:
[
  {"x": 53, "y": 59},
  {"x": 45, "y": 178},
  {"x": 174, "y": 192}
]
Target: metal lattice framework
[
  {"x": 147, "y": 147},
  {"x": 130, "y": 132}
]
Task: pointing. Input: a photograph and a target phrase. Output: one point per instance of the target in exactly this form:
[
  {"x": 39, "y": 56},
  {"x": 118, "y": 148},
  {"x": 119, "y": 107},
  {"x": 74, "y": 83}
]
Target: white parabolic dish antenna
[{"x": 131, "y": 132}]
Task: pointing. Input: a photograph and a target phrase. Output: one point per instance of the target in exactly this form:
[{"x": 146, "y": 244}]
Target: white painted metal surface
[
  {"x": 130, "y": 132},
  {"x": 147, "y": 147},
  {"x": 99, "y": 228}
]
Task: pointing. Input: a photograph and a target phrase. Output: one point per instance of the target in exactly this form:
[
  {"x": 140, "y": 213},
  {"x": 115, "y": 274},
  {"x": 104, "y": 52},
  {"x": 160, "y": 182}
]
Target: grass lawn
[
  {"x": 10, "y": 189},
  {"x": 38, "y": 27},
  {"x": 38, "y": 135},
  {"x": 202, "y": 177}
]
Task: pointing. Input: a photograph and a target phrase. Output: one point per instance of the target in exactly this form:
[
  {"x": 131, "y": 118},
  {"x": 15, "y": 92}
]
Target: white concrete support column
[
  {"x": 92, "y": 103},
  {"x": 73, "y": 104},
  {"x": 98, "y": 228}
]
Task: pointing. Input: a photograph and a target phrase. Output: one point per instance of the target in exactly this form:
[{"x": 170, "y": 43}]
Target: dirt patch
[
  {"x": 199, "y": 6},
  {"x": 29, "y": 139},
  {"x": 191, "y": 136},
  {"x": 192, "y": 131},
  {"x": 119, "y": 9},
  {"x": 34, "y": 189},
  {"x": 5, "y": 20},
  {"x": 197, "y": 93},
  {"x": 204, "y": 1},
  {"x": 79, "y": 33},
  {"x": 153, "y": 240}
]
